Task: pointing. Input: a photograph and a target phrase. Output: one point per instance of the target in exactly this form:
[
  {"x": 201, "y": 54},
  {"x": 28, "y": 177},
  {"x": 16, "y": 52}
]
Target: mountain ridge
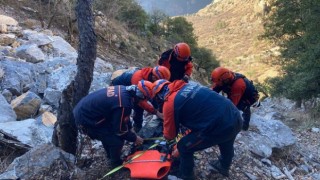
[{"x": 232, "y": 30}]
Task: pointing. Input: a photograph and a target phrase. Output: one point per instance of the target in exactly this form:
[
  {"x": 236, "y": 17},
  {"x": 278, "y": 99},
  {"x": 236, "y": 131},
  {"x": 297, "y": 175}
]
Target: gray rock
[
  {"x": 258, "y": 144},
  {"x": 30, "y": 165},
  {"x": 266, "y": 161},
  {"x": 6, "y": 114},
  {"x": 100, "y": 81},
  {"x": 62, "y": 48},
  {"x": 7, "y": 95},
  {"x": 16, "y": 75},
  {"x": 279, "y": 134},
  {"x": 1, "y": 72},
  {"x": 31, "y": 53},
  {"x": 102, "y": 66},
  {"x": 315, "y": 130},
  {"x": 315, "y": 175},
  {"x": 251, "y": 176},
  {"x": 276, "y": 172},
  {"x": 304, "y": 168},
  {"x": 61, "y": 77},
  {"x": 29, "y": 131},
  {"x": 39, "y": 39},
  {"x": 52, "y": 97}
]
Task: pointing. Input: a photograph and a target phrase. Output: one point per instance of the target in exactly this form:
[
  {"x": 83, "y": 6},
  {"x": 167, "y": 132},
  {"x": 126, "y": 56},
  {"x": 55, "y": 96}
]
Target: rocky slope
[
  {"x": 231, "y": 29},
  {"x": 35, "y": 65}
]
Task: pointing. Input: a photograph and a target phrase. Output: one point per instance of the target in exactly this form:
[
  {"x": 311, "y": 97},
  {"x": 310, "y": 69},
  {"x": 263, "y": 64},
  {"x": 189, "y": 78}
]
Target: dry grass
[
  {"x": 231, "y": 29},
  {"x": 302, "y": 121}
]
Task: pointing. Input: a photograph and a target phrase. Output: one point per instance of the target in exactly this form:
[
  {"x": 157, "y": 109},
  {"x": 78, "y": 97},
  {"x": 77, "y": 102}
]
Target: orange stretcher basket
[{"x": 149, "y": 165}]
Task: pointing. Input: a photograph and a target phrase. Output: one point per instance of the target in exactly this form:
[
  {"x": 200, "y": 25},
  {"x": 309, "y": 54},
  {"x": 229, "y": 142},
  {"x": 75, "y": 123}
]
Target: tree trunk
[{"x": 65, "y": 134}]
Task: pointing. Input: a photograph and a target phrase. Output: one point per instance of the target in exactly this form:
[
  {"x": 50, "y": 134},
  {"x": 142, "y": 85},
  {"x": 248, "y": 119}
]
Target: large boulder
[
  {"x": 30, "y": 131},
  {"x": 267, "y": 134},
  {"x": 42, "y": 161}
]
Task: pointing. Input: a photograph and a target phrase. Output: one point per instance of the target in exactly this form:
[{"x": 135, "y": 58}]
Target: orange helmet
[
  {"x": 161, "y": 72},
  {"x": 182, "y": 52},
  {"x": 221, "y": 76},
  {"x": 146, "y": 88},
  {"x": 158, "y": 85}
]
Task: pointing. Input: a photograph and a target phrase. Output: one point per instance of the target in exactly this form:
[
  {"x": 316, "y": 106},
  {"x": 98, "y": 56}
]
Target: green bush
[
  {"x": 180, "y": 30},
  {"x": 294, "y": 26},
  {"x": 205, "y": 59}
]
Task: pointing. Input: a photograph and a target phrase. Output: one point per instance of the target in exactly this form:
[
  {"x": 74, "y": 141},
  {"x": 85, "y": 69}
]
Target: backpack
[{"x": 251, "y": 94}]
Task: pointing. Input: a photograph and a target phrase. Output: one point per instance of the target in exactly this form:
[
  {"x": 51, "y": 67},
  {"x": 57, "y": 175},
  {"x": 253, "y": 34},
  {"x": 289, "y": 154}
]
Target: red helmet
[
  {"x": 158, "y": 85},
  {"x": 161, "y": 72},
  {"x": 221, "y": 76},
  {"x": 146, "y": 88},
  {"x": 182, "y": 51}
]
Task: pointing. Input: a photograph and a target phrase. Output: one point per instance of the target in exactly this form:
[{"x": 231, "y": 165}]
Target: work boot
[{"x": 217, "y": 168}]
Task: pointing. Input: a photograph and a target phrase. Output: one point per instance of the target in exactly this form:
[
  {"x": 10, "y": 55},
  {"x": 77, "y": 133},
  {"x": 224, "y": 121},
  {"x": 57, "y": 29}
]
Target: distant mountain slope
[
  {"x": 231, "y": 29},
  {"x": 174, "y": 7}
]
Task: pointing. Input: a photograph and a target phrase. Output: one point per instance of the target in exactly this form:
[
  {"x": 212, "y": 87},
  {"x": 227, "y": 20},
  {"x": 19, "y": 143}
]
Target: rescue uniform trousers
[
  {"x": 112, "y": 143},
  {"x": 195, "y": 141}
]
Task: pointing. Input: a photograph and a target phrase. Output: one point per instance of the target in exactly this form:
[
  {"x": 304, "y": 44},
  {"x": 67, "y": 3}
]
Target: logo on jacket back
[{"x": 190, "y": 90}]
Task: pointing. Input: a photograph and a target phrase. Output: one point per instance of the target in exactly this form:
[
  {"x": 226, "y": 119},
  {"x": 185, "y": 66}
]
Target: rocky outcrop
[
  {"x": 33, "y": 73},
  {"x": 28, "y": 166}
]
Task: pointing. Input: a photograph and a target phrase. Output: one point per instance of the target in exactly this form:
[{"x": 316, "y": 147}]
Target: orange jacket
[
  {"x": 142, "y": 74},
  {"x": 237, "y": 91},
  {"x": 169, "y": 126}
]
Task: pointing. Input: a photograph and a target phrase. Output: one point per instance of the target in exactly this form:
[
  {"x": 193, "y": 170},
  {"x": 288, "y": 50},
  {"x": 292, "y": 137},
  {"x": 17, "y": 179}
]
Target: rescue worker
[
  {"x": 212, "y": 119},
  {"x": 105, "y": 115},
  {"x": 178, "y": 61},
  {"x": 132, "y": 77},
  {"x": 239, "y": 90}
]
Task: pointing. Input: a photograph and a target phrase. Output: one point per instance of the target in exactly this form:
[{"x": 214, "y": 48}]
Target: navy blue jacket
[
  {"x": 200, "y": 109},
  {"x": 108, "y": 108}
]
